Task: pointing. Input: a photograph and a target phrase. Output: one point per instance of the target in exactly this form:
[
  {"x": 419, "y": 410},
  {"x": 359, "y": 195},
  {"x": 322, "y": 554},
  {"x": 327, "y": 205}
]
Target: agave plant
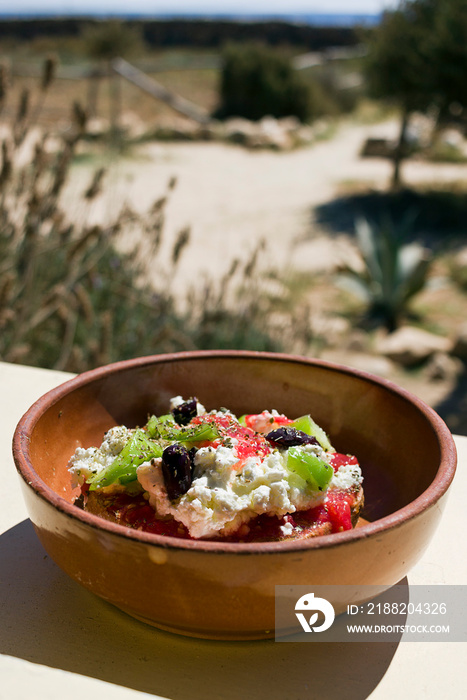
[{"x": 393, "y": 271}]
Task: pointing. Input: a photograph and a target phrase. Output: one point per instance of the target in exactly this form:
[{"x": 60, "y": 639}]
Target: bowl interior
[{"x": 395, "y": 436}]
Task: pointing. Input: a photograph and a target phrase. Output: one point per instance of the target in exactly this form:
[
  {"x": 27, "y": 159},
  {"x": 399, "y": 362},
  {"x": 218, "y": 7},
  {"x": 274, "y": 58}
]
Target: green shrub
[
  {"x": 104, "y": 41},
  {"x": 257, "y": 81}
]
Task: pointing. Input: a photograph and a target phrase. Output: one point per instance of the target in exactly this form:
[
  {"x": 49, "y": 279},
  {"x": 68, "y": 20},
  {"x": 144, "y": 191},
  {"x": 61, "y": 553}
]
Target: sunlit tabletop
[{"x": 58, "y": 640}]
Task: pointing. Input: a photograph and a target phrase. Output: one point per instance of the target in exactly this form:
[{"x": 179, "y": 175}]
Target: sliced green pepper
[
  {"x": 164, "y": 428},
  {"x": 137, "y": 450},
  {"x": 158, "y": 424},
  {"x": 196, "y": 433},
  {"x": 314, "y": 470}
]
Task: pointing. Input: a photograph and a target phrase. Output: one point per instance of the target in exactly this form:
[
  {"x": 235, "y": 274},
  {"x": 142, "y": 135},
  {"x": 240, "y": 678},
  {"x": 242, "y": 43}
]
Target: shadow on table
[{"x": 49, "y": 619}]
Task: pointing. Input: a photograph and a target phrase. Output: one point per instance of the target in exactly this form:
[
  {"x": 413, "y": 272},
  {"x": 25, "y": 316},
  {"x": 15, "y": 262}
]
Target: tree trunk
[{"x": 400, "y": 151}]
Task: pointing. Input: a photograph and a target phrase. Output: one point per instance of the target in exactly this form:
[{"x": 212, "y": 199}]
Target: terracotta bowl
[{"x": 226, "y": 590}]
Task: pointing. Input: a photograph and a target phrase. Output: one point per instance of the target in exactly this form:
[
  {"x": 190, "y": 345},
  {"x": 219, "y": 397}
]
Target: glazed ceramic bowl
[{"x": 226, "y": 590}]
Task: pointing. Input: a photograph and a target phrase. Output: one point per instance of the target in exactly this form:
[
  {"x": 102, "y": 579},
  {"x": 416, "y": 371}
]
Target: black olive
[
  {"x": 290, "y": 437},
  {"x": 192, "y": 452},
  {"x": 184, "y": 412},
  {"x": 176, "y": 468}
]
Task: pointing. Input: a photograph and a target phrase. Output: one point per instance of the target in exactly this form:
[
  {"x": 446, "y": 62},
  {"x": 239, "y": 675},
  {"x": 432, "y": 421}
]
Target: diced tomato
[
  {"x": 249, "y": 443},
  {"x": 282, "y": 420},
  {"x": 135, "y": 512},
  {"x": 338, "y": 509},
  {"x": 137, "y": 515},
  {"x": 338, "y": 460},
  {"x": 251, "y": 419},
  {"x": 169, "y": 528}
]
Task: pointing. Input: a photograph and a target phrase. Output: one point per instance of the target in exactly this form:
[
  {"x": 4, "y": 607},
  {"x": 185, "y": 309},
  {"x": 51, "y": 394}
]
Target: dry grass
[{"x": 71, "y": 299}]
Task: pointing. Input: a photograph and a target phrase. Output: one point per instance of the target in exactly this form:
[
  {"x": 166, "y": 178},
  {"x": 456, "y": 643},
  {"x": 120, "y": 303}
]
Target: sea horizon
[{"x": 323, "y": 19}]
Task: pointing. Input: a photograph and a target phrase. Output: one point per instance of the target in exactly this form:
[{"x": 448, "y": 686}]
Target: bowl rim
[{"x": 426, "y": 500}]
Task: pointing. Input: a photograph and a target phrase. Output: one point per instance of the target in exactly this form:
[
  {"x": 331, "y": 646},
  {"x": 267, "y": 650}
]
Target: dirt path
[{"x": 231, "y": 197}]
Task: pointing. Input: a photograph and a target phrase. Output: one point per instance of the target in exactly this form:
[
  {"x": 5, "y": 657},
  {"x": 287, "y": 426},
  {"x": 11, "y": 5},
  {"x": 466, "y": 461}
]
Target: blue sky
[{"x": 198, "y": 6}]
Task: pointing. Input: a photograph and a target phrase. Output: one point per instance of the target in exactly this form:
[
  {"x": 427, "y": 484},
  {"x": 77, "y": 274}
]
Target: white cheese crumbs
[
  {"x": 347, "y": 476},
  {"x": 222, "y": 498},
  {"x": 287, "y": 529},
  {"x": 176, "y": 401},
  {"x": 87, "y": 462}
]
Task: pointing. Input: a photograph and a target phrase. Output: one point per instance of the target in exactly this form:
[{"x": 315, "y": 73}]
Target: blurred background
[{"x": 266, "y": 178}]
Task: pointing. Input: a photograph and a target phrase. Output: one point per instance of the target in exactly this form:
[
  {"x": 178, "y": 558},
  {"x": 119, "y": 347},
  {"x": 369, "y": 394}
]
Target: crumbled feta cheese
[
  {"x": 316, "y": 450},
  {"x": 346, "y": 476},
  {"x": 87, "y": 462},
  {"x": 287, "y": 529},
  {"x": 221, "y": 497},
  {"x": 150, "y": 476},
  {"x": 176, "y": 401}
]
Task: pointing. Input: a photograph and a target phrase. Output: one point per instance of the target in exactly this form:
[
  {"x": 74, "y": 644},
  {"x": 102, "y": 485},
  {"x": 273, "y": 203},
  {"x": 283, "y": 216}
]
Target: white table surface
[{"x": 58, "y": 641}]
